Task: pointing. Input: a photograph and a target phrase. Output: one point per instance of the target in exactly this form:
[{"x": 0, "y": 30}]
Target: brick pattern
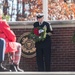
[
  {"x": 62, "y": 53},
  {"x": 63, "y": 50}
]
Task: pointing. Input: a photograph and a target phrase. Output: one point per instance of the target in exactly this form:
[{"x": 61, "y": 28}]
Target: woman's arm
[{"x": 8, "y": 32}]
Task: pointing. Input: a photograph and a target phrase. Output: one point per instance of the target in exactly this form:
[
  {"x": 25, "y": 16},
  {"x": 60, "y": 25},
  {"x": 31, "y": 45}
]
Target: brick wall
[
  {"x": 28, "y": 64},
  {"x": 63, "y": 51}
]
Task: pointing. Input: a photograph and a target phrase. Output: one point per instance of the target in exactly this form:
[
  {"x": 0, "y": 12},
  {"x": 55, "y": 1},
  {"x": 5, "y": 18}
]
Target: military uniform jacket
[{"x": 46, "y": 43}]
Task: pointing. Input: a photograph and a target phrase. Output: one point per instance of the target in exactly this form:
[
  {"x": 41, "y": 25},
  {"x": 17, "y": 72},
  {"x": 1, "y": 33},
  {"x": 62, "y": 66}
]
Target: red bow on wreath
[
  {"x": 36, "y": 31},
  {"x": 38, "y": 34}
]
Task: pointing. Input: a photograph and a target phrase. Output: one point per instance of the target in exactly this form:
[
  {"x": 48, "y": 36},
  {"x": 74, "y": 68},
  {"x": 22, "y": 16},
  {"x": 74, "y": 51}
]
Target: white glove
[
  {"x": 51, "y": 28},
  {"x": 49, "y": 34},
  {"x": 41, "y": 30}
]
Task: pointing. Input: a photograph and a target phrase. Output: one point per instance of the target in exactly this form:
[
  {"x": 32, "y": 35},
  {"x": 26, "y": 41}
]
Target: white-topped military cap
[{"x": 39, "y": 15}]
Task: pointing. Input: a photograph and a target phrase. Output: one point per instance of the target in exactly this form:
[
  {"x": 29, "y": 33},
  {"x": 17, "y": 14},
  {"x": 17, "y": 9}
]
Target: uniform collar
[{"x": 40, "y": 23}]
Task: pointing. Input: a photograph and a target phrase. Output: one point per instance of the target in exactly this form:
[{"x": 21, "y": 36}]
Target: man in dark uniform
[{"x": 43, "y": 48}]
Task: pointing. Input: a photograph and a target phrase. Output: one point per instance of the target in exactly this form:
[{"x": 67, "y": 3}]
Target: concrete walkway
[{"x": 37, "y": 73}]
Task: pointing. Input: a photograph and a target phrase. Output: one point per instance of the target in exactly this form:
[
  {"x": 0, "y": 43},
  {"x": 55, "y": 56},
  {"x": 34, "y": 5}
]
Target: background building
[{"x": 26, "y": 10}]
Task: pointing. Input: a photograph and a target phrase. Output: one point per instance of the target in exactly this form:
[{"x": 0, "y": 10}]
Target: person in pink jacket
[{"x": 12, "y": 47}]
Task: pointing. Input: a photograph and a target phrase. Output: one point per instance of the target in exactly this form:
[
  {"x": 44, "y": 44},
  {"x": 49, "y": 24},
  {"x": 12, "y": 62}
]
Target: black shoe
[
  {"x": 3, "y": 69},
  {"x": 18, "y": 69},
  {"x": 13, "y": 68}
]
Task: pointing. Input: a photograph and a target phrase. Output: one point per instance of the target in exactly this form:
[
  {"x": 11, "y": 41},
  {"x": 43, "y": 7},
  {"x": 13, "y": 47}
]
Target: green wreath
[{"x": 38, "y": 34}]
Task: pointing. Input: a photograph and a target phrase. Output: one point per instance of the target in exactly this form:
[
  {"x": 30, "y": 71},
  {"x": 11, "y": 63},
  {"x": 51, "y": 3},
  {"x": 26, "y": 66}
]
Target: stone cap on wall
[{"x": 29, "y": 24}]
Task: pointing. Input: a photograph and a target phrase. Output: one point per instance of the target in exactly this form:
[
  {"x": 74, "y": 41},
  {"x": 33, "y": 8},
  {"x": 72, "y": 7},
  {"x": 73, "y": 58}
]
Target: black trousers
[{"x": 43, "y": 58}]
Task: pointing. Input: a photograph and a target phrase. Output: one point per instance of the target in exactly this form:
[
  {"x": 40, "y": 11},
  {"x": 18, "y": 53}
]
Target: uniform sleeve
[
  {"x": 8, "y": 32},
  {"x": 49, "y": 28},
  {"x": 34, "y": 25}
]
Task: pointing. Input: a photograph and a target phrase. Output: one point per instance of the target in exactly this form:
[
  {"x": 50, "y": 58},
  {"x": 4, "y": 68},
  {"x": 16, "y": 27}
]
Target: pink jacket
[{"x": 8, "y": 35}]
